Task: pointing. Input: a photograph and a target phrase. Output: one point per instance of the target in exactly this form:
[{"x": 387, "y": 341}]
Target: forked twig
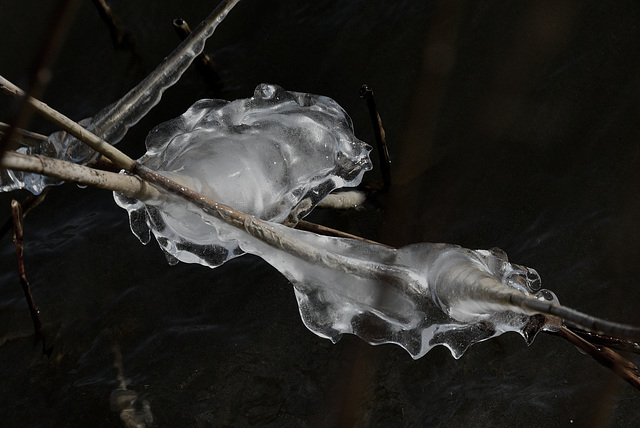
[
  {"x": 624, "y": 368},
  {"x": 608, "y": 341},
  {"x": 29, "y": 203}
]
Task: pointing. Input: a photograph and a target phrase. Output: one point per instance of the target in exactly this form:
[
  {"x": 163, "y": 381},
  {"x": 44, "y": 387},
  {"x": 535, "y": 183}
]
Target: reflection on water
[{"x": 522, "y": 137}]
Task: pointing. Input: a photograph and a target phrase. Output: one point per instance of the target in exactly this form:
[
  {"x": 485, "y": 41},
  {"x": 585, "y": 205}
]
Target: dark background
[{"x": 510, "y": 124}]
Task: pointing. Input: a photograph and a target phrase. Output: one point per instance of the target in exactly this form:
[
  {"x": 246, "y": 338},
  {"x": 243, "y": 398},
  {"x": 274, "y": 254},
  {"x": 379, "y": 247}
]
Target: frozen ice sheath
[
  {"x": 417, "y": 296},
  {"x": 274, "y": 156}
]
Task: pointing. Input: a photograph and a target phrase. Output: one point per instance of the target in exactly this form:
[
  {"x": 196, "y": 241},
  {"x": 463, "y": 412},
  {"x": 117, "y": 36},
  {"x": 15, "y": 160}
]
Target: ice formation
[
  {"x": 273, "y": 156},
  {"x": 417, "y": 297}
]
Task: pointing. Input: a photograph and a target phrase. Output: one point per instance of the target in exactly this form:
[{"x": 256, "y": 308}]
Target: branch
[
  {"x": 96, "y": 143},
  {"x": 624, "y": 368},
  {"x": 131, "y": 186}
]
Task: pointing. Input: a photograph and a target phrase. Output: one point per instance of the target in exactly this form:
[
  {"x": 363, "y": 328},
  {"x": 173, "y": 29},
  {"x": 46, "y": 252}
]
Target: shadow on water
[{"x": 510, "y": 125}]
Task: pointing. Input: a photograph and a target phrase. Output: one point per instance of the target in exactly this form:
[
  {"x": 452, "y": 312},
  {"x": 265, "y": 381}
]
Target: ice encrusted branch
[
  {"x": 418, "y": 296},
  {"x": 112, "y": 123}
]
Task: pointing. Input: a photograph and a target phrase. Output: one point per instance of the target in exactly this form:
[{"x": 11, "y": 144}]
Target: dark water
[{"x": 510, "y": 125}]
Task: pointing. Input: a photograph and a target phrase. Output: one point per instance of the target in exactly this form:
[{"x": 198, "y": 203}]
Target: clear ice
[
  {"x": 417, "y": 297},
  {"x": 275, "y": 156}
]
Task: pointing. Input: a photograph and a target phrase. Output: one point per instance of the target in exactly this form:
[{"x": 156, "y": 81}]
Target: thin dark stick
[
  {"x": 121, "y": 38},
  {"x": 203, "y": 62},
  {"x": 29, "y": 203},
  {"x": 624, "y": 368},
  {"x": 18, "y": 237},
  {"x": 327, "y": 231},
  {"x": 381, "y": 140},
  {"x": 608, "y": 341}
]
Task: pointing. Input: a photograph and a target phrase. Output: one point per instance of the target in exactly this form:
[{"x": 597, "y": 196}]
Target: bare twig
[
  {"x": 22, "y": 136},
  {"x": 381, "y": 140},
  {"x": 624, "y": 368},
  {"x": 121, "y": 38},
  {"x": 29, "y": 203},
  {"x": 18, "y": 237},
  {"x": 327, "y": 231},
  {"x": 608, "y": 341},
  {"x": 129, "y": 185},
  {"x": 203, "y": 62},
  {"x": 96, "y": 143}
]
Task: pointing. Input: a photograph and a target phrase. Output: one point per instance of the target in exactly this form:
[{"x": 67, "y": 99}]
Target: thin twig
[
  {"x": 624, "y": 368},
  {"x": 131, "y": 186},
  {"x": 96, "y": 143},
  {"x": 327, "y": 231},
  {"x": 22, "y": 136},
  {"x": 203, "y": 62},
  {"x": 29, "y": 203},
  {"x": 381, "y": 140},
  {"x": 114, "y": 121},
  {"x": 18, "y": 237},
  {"x": 121, "y": 38},
  {"x": 608, "y": 341}
]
